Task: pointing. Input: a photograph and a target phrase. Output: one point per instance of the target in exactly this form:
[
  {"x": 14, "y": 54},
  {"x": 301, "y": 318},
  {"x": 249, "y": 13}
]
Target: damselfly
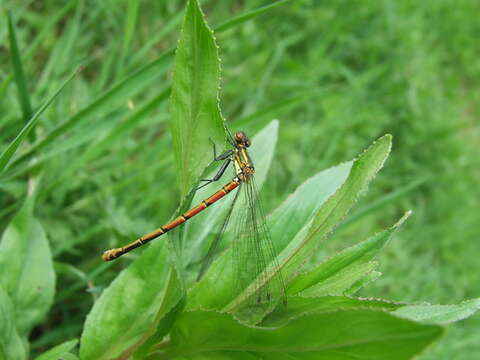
[{"x": 256, "y": 265}]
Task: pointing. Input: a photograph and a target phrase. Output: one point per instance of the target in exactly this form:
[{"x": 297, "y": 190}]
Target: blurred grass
[{"x": 337, "y": 74}]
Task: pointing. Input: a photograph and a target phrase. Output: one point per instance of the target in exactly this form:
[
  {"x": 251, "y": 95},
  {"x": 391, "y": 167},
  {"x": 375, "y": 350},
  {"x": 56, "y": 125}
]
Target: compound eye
[{"x": 239, "y": 136}]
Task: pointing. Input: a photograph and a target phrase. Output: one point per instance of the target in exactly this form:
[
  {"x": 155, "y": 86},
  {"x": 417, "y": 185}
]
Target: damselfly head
[{"x": 242, "y": 139}]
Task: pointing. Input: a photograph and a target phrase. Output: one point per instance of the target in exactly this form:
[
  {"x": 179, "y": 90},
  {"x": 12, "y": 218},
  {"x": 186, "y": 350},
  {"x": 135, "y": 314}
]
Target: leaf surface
[
  {"x": 59, "y": 351},
  {"x": 194, "y": 100},
  {"x": 214, "y": 290},
  {"x": 439, "y": 314},
  {"x": 299, "y": 306},
  {"x": 337, "y": 335},
  {"x": 338, "y": 273},
  {"x": 129, "y": 310},
  {"x": 26, "y": 268},
  {"x": 13, "y": 146},
  {"x": 11, "y": 347}
]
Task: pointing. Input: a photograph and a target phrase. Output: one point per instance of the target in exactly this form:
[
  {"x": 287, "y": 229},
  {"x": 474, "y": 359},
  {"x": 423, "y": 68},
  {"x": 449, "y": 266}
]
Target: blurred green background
[{"x": 337, "y": 74}]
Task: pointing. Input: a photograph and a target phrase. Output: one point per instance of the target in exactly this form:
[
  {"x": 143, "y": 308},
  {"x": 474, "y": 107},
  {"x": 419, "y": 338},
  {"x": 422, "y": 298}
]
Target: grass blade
[
  {"x": 118, "y": 94},
  {"x": 248, "y": 16},
  {"x": 19, "y": 74},
  {"x": 12, "y": 148}
]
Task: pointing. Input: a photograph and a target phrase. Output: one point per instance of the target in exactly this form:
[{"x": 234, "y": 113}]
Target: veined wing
[
  {"x": 257, "y": 275},
  {"x": 212, "y": 250}
]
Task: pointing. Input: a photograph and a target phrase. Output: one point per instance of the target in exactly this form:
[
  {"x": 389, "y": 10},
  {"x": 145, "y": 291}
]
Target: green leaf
[
  {"x": 131, "y": 19},
  {"x": 12, "y": 148},
  {"x": 439, "y": 314},
  {"x": 326, "y": 197},
  {"x": 59, "y": 351},
  {"x": 362, "y": 282},
  {"x": 11, "y": 346},
  {"x": 338, "y": 283},
  {"x": 335, "y": 335},
  {"x": 340, "y": 272},
  {"x": 129, "y": 310},
  {"x": 334, "y": 210},
  {"x": 214, "y": 290},
  {"x": 194, "y": 103},
  {"x": 22, "y": 89},
  {"x": 299, "y": 306},
  {"x": 26, "y": 268}
]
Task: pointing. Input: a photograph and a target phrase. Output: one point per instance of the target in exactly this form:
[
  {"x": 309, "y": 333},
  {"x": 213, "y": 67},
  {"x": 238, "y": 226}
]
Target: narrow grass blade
[
  {"x": 123, "y": 91},
  {"x": 129, "y": 29},
  {"x": 19, "y": 75},
  {"x": 383, "y": 201},
  {"x": 12, "y": 148},
  {"x": 267, "y": 113},
  {"x": 120, "y": 93},
  {"x": 248, "y": 16}
]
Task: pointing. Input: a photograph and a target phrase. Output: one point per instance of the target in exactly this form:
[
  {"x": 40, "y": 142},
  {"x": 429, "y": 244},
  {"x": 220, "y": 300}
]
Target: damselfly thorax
[{"x": 241, "y": 160}]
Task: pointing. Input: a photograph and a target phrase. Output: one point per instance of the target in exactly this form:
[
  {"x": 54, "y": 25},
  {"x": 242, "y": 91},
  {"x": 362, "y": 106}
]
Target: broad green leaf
[
  {"x": 299, "y": 306},
  {"x": 341, "y": 281},
  {"x": 11, "y": 346},
  {"x": 334, "y": 210},
  {"x": 68, "y": 356},
  {"x": 26, "y": 268},
  {"x": 336, "y": 335},
  {"x": 129, "y": 310},
  {"x": 196, "y": 231},
  {"x": 59, "y": 351},
  {"x": 297, "y": 242},
  {"x": 362, "y": 282},
  {"x": 214, "y": 290},
  {"x": 340, "y": 272},
  {"x": 22, "y": 88},
  {"x": 163, "y": 328},
  {"x": 12, "y": 148},
  {"x": 194, "y": 103},
  {"x": 439, "y": 314}
]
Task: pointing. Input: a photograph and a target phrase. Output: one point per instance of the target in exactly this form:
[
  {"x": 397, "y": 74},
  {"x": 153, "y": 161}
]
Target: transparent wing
[
  {"x": 212, "y": 250},
  {"x": 257, "y": 274}
]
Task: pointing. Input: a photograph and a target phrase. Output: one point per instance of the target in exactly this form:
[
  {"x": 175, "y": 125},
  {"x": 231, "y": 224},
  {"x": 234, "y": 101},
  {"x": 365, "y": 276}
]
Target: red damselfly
[{"x": 255, "y": 258}]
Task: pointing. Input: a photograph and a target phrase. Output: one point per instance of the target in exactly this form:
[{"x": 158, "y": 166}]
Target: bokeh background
[{"x": 337, "y": 74}]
